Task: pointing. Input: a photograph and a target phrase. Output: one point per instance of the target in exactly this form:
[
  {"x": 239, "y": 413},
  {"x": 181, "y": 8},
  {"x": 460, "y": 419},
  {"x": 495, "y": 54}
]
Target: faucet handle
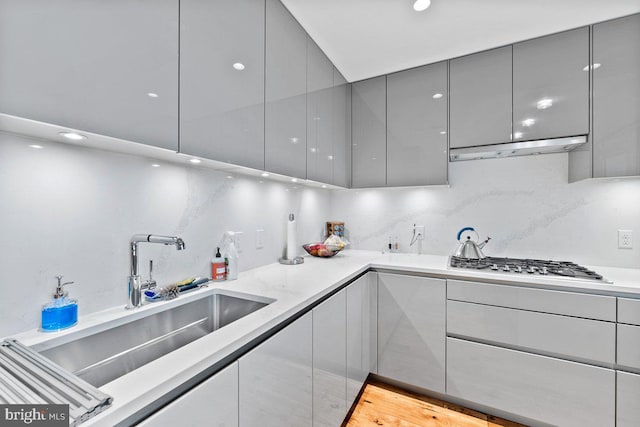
[{"x": 149, "y": 284}]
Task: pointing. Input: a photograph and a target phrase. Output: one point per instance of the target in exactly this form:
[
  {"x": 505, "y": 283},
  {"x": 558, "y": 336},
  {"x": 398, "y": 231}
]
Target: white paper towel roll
[{"x": 291, "y": 238}]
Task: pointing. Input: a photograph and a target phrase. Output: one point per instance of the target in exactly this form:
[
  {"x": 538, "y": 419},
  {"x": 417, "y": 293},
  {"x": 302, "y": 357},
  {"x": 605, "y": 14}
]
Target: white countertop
[{"x": 293, "y": 288}]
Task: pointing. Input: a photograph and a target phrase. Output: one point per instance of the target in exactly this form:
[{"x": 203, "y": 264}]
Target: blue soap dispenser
[{"x": 62, "y": 312}]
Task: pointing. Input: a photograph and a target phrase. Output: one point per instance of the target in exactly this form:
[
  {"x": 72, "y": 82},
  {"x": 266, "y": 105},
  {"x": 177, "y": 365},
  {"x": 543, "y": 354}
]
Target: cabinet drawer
[
  {"x": 546, "y": 301},
  {"x": 549, "y": 390},
  {"x": 629, "y": 311},
  {"x": 629, "y": 347},
  {"x": 580, "y": 339},
  {"x": 628, "y": 396}
]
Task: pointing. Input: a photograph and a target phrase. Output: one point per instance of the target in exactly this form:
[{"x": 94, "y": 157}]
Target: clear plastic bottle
[{"x": 62, "y": 312}]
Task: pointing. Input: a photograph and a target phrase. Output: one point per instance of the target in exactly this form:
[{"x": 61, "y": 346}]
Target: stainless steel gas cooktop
[{"x": 527, "y": 267}]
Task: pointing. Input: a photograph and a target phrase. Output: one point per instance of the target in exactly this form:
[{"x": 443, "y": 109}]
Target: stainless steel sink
[{"x": 107, "y": 355}]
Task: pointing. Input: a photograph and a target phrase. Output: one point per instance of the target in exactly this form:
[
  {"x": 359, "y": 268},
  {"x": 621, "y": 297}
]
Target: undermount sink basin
[{"x": 107, "y": 355}]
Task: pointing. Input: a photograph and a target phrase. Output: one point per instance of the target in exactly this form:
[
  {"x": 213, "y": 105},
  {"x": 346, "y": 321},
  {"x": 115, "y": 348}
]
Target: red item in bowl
[{"x": 321, "y": 250}]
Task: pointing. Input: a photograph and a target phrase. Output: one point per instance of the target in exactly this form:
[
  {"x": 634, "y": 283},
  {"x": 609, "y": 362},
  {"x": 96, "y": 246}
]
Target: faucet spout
[{"x": 135, "y": 282}]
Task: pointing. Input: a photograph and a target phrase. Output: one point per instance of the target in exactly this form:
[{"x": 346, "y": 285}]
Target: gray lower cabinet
[
  {"x": 541, "y": 388},
  {"x": 362, "y": 320},
  {"x": 222, "y": 83},
  {"x": 341, "y": 130},
  {"x": 628, "y": 349},
  {"x": 417, "y": 126},
  {"x": 550, "y": 87},
  {"x": 330, "y": 361},
  {"x": 480, "y": 98},
  {"x": 276, "y": 379},
  {"x": 629, "y": 311},
  {"x": 369, "y": 127},
  {"x": 319, "y": 114},
  {"x": 628, "y": 396},
  {"x": 213, "y": 403},
  {"x": 106, "y": 67},
  {"x": 411, "y": 330},
  {"x": 285, "y": 93},
  {"x": 616, "y": 97},
  {"x": 584, "y": 340}
]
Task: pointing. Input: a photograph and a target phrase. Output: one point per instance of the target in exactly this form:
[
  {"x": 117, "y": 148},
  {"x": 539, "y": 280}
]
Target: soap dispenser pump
[{"x": 62, "y": 312}]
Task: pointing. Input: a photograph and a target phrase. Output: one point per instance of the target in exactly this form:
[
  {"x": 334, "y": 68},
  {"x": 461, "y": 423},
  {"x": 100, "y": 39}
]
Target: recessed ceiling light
[
  {"x": 421, "y": 5},
  {"x": 152, "y": 95},
  {"x": 528, "y": 122},
  {"x": 294, "y": 140},
  {"x": 437, "y": 95},
  {"x": 155, "y": 165},
  {"x": 229, "y": 176},
  {"x": 545, "y": 103},
  {"x": 313, "y": 149},
  {"x": 36, "y": 146},
  {"x": 265, "y": 174},
  {"x": 195, "y": 161},
  {"x": 592, "y": 67},
  {"x": 329, "y": 157},
  {"x": 517, "y": 135},
  {"x": 294, "y": 179},
  {"x": 238, "y": 66},
  {"x": 324, "y": 185},
  {"x": 443, "y": 132},
  {"x": 72, "y": 136}
]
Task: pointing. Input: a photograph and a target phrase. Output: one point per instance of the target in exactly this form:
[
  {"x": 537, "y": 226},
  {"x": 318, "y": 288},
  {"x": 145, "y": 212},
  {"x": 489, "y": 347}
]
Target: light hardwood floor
[{"x": 384, "y": 405}]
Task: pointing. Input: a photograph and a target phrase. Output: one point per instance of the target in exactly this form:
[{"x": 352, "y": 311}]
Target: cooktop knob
[
  {"x": 531, "y": 270},
  {"x": 494, "y": 267},
  {"x": 518, "y": 269},
  {"x": 545, "y": 270},
  {"x": 506, "y": 268}
]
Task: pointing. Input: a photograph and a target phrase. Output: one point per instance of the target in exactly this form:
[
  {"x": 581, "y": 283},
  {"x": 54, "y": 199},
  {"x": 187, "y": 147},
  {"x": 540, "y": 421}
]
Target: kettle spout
[{"x": 481, "y": 245}]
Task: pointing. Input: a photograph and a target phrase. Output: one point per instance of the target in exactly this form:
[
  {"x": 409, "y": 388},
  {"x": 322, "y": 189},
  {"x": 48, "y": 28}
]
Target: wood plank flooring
[{"x": 384, "y": 405}]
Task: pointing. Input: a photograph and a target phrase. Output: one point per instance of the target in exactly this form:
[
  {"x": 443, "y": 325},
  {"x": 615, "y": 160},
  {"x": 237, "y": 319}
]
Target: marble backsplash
[
  {"x": 525, "y": 204},
  {"x": 71, "y": 210}
]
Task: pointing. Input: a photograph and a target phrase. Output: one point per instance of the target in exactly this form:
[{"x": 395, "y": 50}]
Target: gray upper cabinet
[
  {"x": 222, "y": 80},
  {"x": 616, "y": 97},
  {"x": 480, "y": 98},
  {"x": 341, "y": 98},
  {"x": 369, "y": 140},
  {"x": 319, "y": 114},
  {"x": 109, "y": 68},
  {"x": 285, "y": 93},
  {"x": 417, "y": 126},
  {"x": 550, "y": 86}
]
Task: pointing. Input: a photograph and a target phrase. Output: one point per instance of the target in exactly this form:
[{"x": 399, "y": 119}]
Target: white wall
[
  {"x": 71, "y": 210},
  {"x": 525, "y": 204}
]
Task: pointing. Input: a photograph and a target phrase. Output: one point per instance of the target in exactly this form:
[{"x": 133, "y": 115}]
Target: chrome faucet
[{"x": 136, "y": 285}]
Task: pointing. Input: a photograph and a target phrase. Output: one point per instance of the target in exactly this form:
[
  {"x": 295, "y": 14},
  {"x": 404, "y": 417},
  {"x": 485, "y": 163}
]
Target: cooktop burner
[{"x": 526, "y": 266}]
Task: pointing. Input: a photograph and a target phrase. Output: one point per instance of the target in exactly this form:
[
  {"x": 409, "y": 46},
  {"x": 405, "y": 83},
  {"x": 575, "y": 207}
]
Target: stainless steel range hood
[{"x": 517, "y": 148}]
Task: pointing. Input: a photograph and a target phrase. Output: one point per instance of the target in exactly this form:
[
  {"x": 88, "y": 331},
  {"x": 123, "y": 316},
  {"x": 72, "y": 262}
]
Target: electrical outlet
[
  {"x": 259, "y": 239},
  {"x": 237, "y": 241},
  {"x": 625, "y": 239},
  {"x": 418, "y": 232}
]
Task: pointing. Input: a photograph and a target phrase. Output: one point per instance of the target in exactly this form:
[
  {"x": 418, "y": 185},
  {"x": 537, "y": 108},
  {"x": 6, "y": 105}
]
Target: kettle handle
[{"x": 463, "y": 230}]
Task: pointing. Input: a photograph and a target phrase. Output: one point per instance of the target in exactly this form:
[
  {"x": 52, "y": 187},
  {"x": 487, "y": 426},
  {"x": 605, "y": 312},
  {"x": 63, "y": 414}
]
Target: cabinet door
[
  {"x": 106, "y": 67},
  {"x": 480, "y": 97},
  {"x": 222, "y": 83},
  {"x": 628, "y": 347},
  {"x": 411, "y": 330},
  {"x": 362, "y": 345},
  {"x": 329, "y": 361},
  {"x": 369, "y": 140},
  {"x": 319, "y": 115},
  {"x": 550, "y": 87},
  {"x": 417, "y": 126},
  {"x": 341, "y": 97},
  {"x": 276, "y": 379},
  {"x": 541, "y": 388},
  {"x": 616, "y": 97},
  {"x": 628, "y": 396},
  {"x": 285, "y": 93},
  {"x": 212, "y": 403}
]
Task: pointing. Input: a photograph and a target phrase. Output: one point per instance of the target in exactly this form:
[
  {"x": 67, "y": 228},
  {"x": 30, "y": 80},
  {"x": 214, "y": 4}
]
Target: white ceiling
[{"x": 367, "y": 38}]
